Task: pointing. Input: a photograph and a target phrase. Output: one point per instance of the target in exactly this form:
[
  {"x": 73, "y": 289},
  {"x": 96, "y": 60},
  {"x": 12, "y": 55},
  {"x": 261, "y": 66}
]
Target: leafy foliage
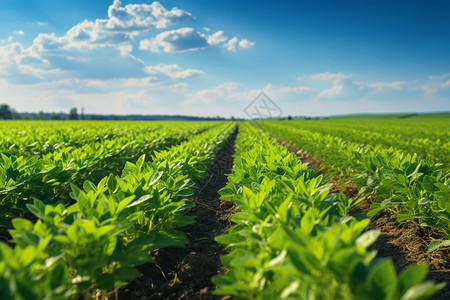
[
  {"x": 294, "y": 240},
  {"x": 416, "y": 189},
  {"x": 94, "y": 243}
]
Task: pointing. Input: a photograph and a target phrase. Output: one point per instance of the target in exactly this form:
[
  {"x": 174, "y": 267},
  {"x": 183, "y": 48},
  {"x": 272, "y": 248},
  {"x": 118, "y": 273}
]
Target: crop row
[
  {"x": 427, "y": 138},
  {"x": 415, "y": 189},
  {"x": 94, "y": 244},
  {"x": 40, "y": 138},
  {"x": 295, "y": 240},
  {"x": 48, "y": 178}
]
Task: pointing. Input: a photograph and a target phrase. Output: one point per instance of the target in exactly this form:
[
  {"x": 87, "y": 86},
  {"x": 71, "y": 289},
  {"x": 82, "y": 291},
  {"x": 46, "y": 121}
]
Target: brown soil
[
  {"x": 185, "y": 273},
  {"x": 405, "y": 243}
]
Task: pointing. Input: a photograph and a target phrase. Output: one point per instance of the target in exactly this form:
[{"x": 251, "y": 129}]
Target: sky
[{"x": 215, "y": 58}]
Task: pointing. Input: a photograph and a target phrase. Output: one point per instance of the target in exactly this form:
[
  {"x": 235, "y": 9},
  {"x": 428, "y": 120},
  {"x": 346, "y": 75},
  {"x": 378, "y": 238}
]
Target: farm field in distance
[{"x": 349, "y": 207}]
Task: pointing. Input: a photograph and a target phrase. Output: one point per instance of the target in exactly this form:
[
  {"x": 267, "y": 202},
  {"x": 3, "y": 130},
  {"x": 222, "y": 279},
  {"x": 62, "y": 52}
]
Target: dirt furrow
[
  {"x": 185, "y": 273},
  {"x": 405, "y": 243}
]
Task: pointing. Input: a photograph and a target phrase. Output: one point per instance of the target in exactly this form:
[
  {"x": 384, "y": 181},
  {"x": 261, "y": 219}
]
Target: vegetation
[
  {"x": 83, "y": 204},
  {"x": 294, "y": 240},
  {"x": 415, "y": 186}
]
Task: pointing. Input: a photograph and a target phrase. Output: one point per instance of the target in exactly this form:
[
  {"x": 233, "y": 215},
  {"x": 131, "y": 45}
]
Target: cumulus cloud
[
  {"x": 246, "y": 44},
  {"x": 188, "y": 39},
  {"x": 96, "y": 49},
  {"x": 179, "y": 40},
  {"x": 436, "y": 83},
  {"x": 172, "y": 71},
  {"x": 143, "y": 16},
  {"x": 106, "y": 48},
  {"x": 217, "y": 38},
  {"x": 232, "y": 43},
  {"x": 337, "y": 87},
  {"x": 233, "y": 92}
]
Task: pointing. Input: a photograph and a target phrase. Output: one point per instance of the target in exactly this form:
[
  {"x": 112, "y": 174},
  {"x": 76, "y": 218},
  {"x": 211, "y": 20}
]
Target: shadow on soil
[{"x": 185, "y": 273}]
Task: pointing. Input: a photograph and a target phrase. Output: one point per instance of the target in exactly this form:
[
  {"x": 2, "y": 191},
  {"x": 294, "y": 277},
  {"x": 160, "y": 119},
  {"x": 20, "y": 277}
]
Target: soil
[
  {"x": 405, "y": 243},
  {"x": 185, "y": 273}
]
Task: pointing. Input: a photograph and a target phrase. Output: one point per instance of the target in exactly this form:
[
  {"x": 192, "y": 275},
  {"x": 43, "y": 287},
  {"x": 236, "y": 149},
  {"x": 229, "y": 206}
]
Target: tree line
[{"x": 8, "y": 113}]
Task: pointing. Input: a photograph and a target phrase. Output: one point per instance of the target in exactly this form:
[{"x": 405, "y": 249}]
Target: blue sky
[{"x": 211, "y": 58}]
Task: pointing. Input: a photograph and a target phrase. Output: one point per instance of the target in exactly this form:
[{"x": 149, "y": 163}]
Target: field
[{"x": 343, "y": 208}]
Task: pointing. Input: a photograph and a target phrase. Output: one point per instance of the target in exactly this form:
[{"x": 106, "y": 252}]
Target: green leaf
[
  {"x": 307, "y": 222},
  {"x": 425, "y": 201},
  {"x": 140, "y": 162},
  {"x": 226, "y": 191},
  {"x": 155, "y": 178},
  {"x": 185, "y": 192},
  {"x": 126, "y": 273},
  {"x": 368, "y": 238},
  {"x": 422, "y": 291},
  {"x": 382, "y": 280},
  {"x": 111, "y": 183},
  {"x": 141, "y": 200},
  {"x": 412, "y": 275},
  {"x": 88, "y": 186},
  {"x": 111, "y": 245},
  {"x": 374, "y": 209},
  {"x": 22, "y": 224},
  {"x": 437, "y": 244}
]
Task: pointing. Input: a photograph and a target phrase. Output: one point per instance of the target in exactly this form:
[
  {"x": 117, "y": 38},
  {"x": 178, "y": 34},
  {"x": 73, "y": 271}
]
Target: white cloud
[
  {"x": 106, "y": 48},
  {"x": 172, "y": 71},
  {"x": 140, "y": 17},
  {"x": 231, "y": 92},
  {"x": 246, "y": 44},
  {"x": 180, "y": 87},
  {"x": 379, "y": 87},
  {"x": 217, "y": 38},
  {"x": 335, "y": 90},
  {"x": 446, "y": 85},
  {"x": 280, "y": 90},
  {"x": 337, "y": 87},
  {"x": 179, "y": 40},
  {"x": 91, "y": 49},
  {"x": 222, "y": 95},
  {"x": 435, "y": 84},
  {"x": 19, "y": 32},
  {"x": 231, "y": 44},
  {"x": 395, "y": 85},
  {"x": 188, "y": 39},
  {"x": 329, "y": 76}
]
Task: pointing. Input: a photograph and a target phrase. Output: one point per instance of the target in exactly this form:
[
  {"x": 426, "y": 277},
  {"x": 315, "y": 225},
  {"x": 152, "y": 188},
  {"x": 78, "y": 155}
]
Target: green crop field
[{"x": 294, "y": 209}]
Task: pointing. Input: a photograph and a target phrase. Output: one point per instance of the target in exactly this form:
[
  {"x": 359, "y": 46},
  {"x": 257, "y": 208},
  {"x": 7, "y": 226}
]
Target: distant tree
[
  {"x": 73, "y": 115},
  {"x": 289, "y": 117},
  {"x": 55, "y": 116},
  {"x": 5, "y": 112},
  {"x": 15, "y": 115},
  {"x": 25, "y": 116},
  {"x": 41, "y": 115}
]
